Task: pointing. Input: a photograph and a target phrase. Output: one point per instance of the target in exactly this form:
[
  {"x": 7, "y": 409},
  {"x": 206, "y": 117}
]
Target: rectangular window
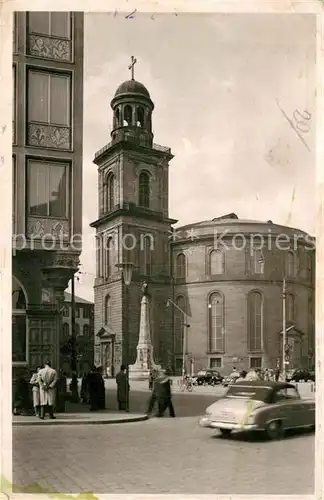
[
  {"x": 215, "y": 362},
  {"x": 19, "y": 339},
  {"x": 53, "y": 24},
  {"x": 66, "y": 312},
  {"x": 47, "y": 185},
  {"x": 49, "y": 98},
  {"x": 77, "y": 312},
  {"x": 86, "y": 312},
  {"x": 255, "y": 362}
]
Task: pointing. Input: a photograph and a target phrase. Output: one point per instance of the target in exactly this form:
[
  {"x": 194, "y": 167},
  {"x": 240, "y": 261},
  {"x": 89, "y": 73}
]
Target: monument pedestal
[{"x": 144, "y": 363}]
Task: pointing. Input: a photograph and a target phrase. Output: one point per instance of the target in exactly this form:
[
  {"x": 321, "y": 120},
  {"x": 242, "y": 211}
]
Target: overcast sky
[{"x": 218, "y": 83}]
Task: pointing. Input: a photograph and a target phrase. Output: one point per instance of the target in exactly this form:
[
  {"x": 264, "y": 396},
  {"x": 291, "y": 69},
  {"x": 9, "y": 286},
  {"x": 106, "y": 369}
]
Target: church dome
[{"x": 132, "y": 87}]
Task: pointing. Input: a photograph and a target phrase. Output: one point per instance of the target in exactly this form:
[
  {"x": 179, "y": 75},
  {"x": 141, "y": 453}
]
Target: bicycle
[{"x": 186, "y": 385}]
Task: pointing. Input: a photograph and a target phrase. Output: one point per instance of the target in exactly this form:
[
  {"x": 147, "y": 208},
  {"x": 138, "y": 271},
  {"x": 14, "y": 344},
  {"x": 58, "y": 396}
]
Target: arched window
[
  {"x": 128, "y": 112},
  {"x": 19, "y": 323},
  {"x": 140, "y": 116},
  {"x": 181, "y": 271},
  {"x": 110, "y": 193},
  {"x": 66, "y": 330},
  {"x": 290, "y": 264},
  {"x": 258, "y": 261},
  {"x": 107, "y": 312},
  {"x": 255, "y": 321},
  {"x": 110, "y": 255},
  {"x": 117, "y": 117},
  {"x": 290, "y": 308},
  {"x": 179, "y": 324},
  {"x": 86, "y": 330},
  {"x": 216, "y": 322},
  {"x": 216, "y": 262},
  {"x": 144, "y": 190},
  {"x": 147, "y": 256}
]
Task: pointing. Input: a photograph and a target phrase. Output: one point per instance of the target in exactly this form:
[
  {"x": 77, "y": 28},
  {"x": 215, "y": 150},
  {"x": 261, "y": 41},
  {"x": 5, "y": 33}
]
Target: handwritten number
[{"x": 300, "y": 122}]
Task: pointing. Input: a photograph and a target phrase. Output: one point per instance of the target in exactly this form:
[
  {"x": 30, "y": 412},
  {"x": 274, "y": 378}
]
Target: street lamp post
[
  {"x": 285, "y": 348},
  {"x": 185, "y": 335},
  {"x": 127, "y": 271}
]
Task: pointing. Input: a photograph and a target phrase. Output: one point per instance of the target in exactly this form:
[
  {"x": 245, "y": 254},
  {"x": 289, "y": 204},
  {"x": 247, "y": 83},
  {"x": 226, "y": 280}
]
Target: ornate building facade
[
  {"x": 226, "y": 300},
  {"x": 47, "y": 175}
]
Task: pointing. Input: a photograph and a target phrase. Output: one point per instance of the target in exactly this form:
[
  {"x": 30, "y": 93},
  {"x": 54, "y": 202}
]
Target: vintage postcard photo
[{"x": 163, "y": 252}]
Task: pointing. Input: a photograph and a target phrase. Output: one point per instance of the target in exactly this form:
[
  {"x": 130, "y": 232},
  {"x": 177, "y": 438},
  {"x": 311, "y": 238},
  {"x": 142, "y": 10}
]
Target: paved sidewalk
[{"x": 87, "y": 418}]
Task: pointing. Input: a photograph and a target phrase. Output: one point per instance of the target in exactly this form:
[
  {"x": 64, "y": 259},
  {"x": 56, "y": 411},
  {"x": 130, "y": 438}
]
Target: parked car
[
  {"x": 272, "y": 407},
  {"x": 300, "y": 375},
  {"x": 210, "y": 377}
]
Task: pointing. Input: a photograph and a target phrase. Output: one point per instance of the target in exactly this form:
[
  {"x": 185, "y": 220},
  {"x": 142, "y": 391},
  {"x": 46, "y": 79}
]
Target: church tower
[{"x": 133, "y": 226}]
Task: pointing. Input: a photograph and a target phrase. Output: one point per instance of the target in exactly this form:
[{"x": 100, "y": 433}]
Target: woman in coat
[{"x": 34, "y": 382}]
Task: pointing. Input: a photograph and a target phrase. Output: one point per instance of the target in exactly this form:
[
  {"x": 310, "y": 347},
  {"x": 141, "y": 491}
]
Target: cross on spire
[{"x": 131, "y": 66}]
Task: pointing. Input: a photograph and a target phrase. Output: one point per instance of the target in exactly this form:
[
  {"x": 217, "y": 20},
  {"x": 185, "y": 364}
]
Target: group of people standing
[
  {"x": 255, "y": 374},
  {"x": 43, "y": 383}
]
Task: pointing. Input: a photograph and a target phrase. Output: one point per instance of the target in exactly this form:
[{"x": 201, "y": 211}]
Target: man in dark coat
[
  {"x": 164, "y": 395},
  {"x": 95, "y": 389},
  {"x": 122, "y": 389}
]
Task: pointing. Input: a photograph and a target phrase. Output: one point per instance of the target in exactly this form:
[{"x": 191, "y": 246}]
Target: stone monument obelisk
[{"x": 144, "y": 360}]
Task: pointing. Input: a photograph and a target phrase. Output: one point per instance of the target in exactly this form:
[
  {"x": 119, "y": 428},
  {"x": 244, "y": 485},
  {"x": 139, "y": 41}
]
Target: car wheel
[
  {"x": 274, "y": 429},
  {"x": 225, "y": 432}
]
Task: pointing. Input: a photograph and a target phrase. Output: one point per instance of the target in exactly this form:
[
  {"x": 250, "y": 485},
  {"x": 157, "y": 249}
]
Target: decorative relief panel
[
  {"x": 49, "y": 136},
  {"x": 38, "y": 228},
  {"x": 66, "y": 260},
  {"x": 50, "y": 48}
]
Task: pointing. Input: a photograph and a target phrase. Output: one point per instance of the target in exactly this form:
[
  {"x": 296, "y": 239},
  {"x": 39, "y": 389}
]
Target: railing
[{"x": 132, "y": 139}]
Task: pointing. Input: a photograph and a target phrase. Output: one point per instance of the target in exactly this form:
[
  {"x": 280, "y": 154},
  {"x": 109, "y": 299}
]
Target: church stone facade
[{"x": 229, "y": 293}]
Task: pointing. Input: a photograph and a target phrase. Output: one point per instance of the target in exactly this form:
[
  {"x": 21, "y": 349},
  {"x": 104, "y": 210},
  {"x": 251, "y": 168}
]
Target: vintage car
[
  {"x": 208, "y": 377},
  {"x": 272, "y": 407}
]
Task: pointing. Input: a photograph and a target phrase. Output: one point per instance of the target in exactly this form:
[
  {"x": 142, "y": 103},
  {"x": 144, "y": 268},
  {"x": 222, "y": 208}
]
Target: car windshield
[
  {"x": 201, "y": 373},
  {"x": 249, "y": 392}
]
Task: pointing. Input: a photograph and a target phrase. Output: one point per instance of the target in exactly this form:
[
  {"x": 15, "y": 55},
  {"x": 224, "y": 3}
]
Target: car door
[{"x": 290, "y": 407}]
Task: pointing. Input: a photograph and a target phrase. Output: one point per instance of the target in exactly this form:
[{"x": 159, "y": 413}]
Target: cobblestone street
[{"x": 161, "y": 456}]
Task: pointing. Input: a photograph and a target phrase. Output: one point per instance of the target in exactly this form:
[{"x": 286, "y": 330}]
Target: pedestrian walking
[
  {"x": 164, "y": 395},
  {"x": 277, "y": 374},
  {"x": 34, "y": 382},
  {"x": 122, "y": 389},
  {"x": 47, "y": 390}
]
